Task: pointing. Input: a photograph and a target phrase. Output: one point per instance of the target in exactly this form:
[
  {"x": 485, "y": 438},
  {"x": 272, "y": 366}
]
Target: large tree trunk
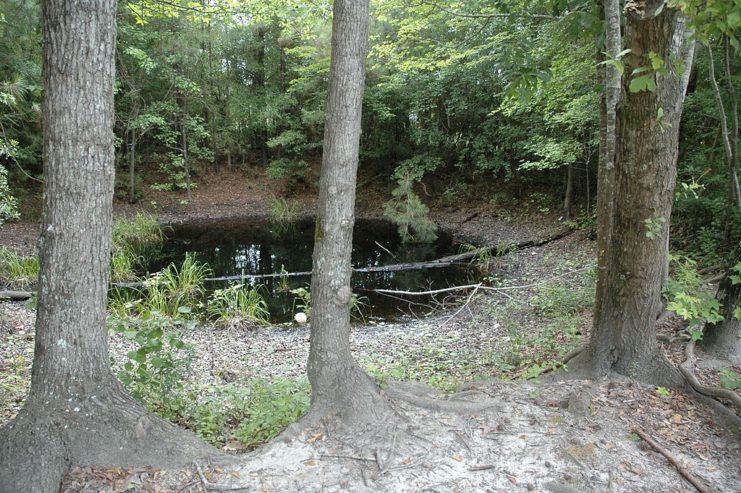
[
  {"x": 634, "y": 218},
  {"x": 76, "y": 411},
  {"x": 339, "y": 387},
  {"x": 724, "y": 338}
]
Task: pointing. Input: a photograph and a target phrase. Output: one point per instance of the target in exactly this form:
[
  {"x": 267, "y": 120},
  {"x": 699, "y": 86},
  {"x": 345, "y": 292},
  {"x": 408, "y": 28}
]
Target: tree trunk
[
  {"x": 734, "y": 123},
  {"x": 568, "y": 193},
  {"x": 132, "y": 167},
  {"x": 729, "y": 140},
  {"x": 634, "y": 218},
  {"x": 186, "y": 163},
  {"x": 339, "y": 387},
  {"x": 724, "y": 338},
  {"x": 76, "y": 411}
]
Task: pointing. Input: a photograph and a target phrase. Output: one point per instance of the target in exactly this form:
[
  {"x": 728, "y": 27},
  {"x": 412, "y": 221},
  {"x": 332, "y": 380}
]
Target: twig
[
  {"x": 482, "y": 467},
  {"x": 689, "y": 375},
  {"x": 684, "y": 472},
  {"x": 385, "y": 249},
  {"x": 468, "y": 300},
  {"x": 353, "y": 457},
  {"x": 209, "y": 486}
]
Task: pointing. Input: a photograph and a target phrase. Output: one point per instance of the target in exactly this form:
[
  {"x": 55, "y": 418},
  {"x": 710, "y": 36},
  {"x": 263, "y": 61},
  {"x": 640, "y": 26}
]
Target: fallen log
[{"x": 16, "y": 295}]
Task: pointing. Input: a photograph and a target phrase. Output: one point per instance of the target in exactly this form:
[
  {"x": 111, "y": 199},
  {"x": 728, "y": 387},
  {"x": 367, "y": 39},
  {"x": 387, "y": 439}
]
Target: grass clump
[
  {"x": 237, "y": 304},
  {"x": 283, "y": 213},
  {"x": 177, "y": 291},
  {"x": 136, "y": 241},
  {"x": 142, "y": 235},
  {"x": 16, "y": 270}
]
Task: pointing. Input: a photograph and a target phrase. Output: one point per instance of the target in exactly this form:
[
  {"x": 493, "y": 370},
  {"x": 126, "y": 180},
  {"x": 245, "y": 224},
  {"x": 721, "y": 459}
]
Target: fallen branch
[
  {"x": 684, "y": 472},
  {"x": 477, "y": 286},
  {"x": 686, "y": 369},
  {"x": 464, "y": 305}
]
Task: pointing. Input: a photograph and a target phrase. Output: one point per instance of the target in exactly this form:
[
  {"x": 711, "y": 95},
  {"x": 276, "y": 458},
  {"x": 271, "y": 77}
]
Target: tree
[
  {"x": 76, "y": 411},
  {"x": 339, "y": 387},
  {"x": 723, "y": 339},
  {"x": 636, "y": 193}
]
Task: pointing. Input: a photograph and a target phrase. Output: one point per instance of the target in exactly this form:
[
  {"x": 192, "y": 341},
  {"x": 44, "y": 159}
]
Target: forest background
[
  {"x": 460, "y": 105},
  {"x": 460, "y": 100}
]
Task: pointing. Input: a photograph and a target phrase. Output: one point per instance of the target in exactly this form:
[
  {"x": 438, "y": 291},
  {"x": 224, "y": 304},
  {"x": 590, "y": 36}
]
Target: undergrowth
[{"x": 17, "y": 271}]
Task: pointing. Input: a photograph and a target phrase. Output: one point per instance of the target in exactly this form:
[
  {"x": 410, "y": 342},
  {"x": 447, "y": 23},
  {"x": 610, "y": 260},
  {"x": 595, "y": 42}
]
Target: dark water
[{"x": 241, "y": 248}]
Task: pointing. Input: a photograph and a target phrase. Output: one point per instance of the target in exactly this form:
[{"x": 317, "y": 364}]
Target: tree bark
[
  {"x": 724, "y": 338},
  {"x": 634, "y": 218},
  {"x": 339, "y": 387},
  {"x": 728, "y": 145},
  {"x": 569, "y": 192},
  {"x": 76, "y": 411}
]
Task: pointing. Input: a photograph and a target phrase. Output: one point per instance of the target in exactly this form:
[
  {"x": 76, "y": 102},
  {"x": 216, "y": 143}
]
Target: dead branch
[
  {"x": 686, "y": 369},
  {"x": 684, "y": 472},
  {"x": 350, "y": 457},
  {"x": 464, "y": 305}
]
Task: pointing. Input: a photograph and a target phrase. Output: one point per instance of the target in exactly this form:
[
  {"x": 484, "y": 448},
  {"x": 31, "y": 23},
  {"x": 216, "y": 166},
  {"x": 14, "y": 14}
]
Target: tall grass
[
  {"x": 142, "y": 235},
  {"x": 283, "y": 213},
  {"x": 238, "y": 304},
  {"x": 136, "y": 241},
  {"x": 176, "y": 291},
  {"x": 16, "y": 270}
]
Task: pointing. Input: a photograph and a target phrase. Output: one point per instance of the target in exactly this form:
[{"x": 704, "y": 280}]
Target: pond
[{"x": 233, "y": 248}]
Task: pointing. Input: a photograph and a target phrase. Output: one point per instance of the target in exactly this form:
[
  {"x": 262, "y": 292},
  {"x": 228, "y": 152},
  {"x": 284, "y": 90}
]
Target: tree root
[
  {"x": 684, "y": 472},
  {"x": 105, "y": 428},
  {"x": 686, "y": 369},
  {"x": 415, "y": 395}
]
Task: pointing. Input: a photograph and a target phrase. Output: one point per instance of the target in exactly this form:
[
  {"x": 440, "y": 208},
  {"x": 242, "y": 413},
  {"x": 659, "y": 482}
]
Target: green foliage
[
  {"x": 14, "y": 383},
  {"x": 8, "y": 203},
  {"x": 302, "y": 300},
  {"x": 16, "y": 270},
  {"x": 272, "y": 408},
  {"x": 237, "y": 304},
  {"x": 653, "y": 226},
  {"x": 293, "y": 171},
  {"x": 729, "y": 379},
  {"x": 174, "y": 291},
  {"x": 662, "y": 392},
  {"x": 283, "y": 213},
  {"x": 406, "y": 209},
  {"x": 136, "y": 241},
  {"x": 689, "y": 297},
  {"x": 161, "y": 360}
]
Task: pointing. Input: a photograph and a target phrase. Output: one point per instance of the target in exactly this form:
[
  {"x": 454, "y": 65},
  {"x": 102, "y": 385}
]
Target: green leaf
[{"x": 643, "y": 83}]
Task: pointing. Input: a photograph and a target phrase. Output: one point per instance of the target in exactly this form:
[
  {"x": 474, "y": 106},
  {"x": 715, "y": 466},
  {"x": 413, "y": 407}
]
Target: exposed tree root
[
  {"x": 418, "y": 395},
  {"x": 103, "y": 429},
  {"x": 684, "y": 472},
  {"x": 686, "y": 369}
]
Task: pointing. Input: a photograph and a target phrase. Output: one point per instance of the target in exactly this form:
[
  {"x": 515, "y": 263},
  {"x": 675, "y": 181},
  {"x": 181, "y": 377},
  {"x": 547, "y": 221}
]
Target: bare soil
[{"x": 491, "y": 435}]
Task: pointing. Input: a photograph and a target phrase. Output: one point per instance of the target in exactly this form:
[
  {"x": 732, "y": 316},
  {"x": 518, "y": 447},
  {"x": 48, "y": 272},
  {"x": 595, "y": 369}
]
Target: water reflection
[{"x": 255, "y": 248}]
